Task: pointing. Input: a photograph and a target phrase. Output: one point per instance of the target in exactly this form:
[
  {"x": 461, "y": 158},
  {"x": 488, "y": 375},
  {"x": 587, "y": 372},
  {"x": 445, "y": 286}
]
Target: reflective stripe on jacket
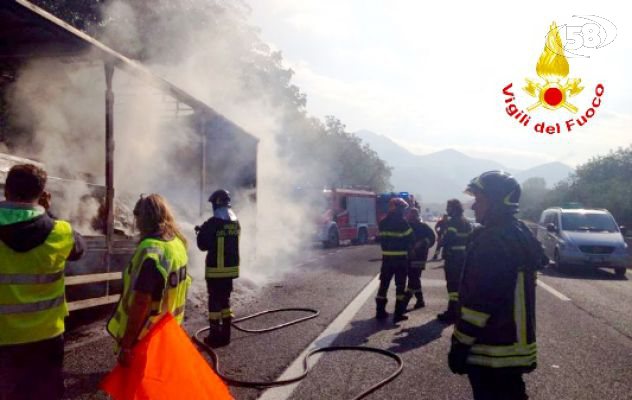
[
  {"x": 221, "y": 239},
  {"x": 395, "y": 236},
  {"x": 171, "y": 259},
  {"x": 32, "y": 300},
  {"x": 497, "y": 297},
  {"x": 456, "y": 234}
]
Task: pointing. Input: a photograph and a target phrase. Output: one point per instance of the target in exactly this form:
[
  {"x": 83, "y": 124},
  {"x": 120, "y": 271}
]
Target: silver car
[{"x": 584, "y": 238}]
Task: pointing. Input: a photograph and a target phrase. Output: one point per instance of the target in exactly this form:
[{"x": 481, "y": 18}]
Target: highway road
[{"x": 584, "y": 336}]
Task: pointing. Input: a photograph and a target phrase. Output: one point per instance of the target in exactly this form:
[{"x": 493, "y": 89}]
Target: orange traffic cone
[{"x": 165, "y": 366}]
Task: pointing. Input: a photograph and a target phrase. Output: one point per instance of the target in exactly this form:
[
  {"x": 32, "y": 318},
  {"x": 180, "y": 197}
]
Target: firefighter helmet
[
  {"x": 454, "y": 208},
  {"x": 397, "y": 204},
  {"x": 413, "y": 214},
  {"x": 502, "y": 189},
  {"x": 220, "y": 198}
]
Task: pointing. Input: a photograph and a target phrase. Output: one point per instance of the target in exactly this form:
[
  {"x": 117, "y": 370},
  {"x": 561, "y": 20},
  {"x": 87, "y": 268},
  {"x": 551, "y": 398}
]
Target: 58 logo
[{"x": 595, "y": 33}]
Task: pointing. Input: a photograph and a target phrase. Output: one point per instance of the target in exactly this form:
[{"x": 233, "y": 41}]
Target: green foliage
[{"x": 602, "y": 182}]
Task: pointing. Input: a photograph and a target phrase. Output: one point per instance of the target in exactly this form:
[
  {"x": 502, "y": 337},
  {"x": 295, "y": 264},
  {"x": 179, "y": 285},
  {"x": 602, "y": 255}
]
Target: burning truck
[{"x": 218, "y": 152}]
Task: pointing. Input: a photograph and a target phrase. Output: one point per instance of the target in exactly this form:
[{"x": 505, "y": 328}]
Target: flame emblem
[{"x": 552, "y": 67}]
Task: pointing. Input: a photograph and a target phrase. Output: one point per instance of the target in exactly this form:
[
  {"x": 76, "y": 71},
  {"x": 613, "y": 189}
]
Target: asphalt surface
[{"x": 584, "y": 336}]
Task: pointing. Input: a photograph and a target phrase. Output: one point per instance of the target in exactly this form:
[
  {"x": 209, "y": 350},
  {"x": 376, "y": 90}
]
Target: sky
[{"x": 430, "y": 75}]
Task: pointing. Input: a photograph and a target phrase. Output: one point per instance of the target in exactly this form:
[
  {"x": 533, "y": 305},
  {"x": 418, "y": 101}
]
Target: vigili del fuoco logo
[{"x": 553, "y": 91}]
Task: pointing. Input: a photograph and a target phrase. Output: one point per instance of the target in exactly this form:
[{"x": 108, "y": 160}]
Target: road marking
[
  {"x": 552, "y": 291},
  {"x": 326, "y": 338},
  {"x": 433, "y": 282}
]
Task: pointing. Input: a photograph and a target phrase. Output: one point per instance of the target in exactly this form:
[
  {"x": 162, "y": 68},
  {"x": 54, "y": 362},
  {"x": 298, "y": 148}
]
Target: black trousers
[
  {"x": 453, "y": 267},
  {"x": 414, "y": 279},
  {"x": 497, "y": 385},
  {"x": 32, "y": 371},
  {"x": 393, "y": 268},
  {"x": 219, "y": 290}
]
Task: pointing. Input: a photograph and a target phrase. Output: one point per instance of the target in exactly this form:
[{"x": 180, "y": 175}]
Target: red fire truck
[{"x": 349, "y": 215}]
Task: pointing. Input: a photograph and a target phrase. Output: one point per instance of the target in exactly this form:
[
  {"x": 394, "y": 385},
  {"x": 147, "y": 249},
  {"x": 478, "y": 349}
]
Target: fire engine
[{"x": 350, "y": 215}]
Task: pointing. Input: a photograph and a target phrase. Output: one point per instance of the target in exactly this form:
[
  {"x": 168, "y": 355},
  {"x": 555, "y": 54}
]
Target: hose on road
[{"x": 263, "y": 384}]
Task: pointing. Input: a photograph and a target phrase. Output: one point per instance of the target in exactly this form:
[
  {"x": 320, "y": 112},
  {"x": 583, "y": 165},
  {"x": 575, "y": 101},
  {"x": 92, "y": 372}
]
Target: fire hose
[{"x": 314, "y": 313}]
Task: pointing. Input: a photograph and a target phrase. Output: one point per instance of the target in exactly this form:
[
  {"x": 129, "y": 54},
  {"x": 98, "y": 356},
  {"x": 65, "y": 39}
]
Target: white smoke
[{"x": 63, "y": 103}]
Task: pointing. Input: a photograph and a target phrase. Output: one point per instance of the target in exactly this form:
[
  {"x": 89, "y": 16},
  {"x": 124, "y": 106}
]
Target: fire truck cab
[{"x": 349, "y": 215}]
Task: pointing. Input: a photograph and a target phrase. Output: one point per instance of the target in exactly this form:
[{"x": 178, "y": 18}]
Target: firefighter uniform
[
  {"x": 494, "y": 339},
  {"x": 454, "y": 240},
  {"x": 34, "y": 249},
  {"x": 395, "y": 237},
  {"x": 497, "y": 298},
  {"x": 424, "y": 239},
  {"x": 167, "y": 260},
  {"x": 220, "y": 238}
]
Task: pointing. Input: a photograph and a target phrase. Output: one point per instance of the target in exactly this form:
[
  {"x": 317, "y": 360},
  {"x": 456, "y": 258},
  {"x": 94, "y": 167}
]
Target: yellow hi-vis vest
[
  {"x": 32, "y": 300},
  {"x": 171, "y": 260}
]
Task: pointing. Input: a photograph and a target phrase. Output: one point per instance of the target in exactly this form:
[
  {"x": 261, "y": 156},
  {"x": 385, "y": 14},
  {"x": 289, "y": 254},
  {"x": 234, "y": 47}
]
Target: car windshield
[{"x": 588, "y": 222}]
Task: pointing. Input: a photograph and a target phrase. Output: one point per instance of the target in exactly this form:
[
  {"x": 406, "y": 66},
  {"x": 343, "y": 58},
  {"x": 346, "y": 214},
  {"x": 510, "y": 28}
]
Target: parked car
[{"x": 580, "y": 238}]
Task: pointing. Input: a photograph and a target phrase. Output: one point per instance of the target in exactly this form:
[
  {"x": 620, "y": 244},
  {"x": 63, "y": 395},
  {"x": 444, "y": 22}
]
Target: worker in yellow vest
[
  {"x": 156, "y": 281},
  {"x": 34, "y": 249}
]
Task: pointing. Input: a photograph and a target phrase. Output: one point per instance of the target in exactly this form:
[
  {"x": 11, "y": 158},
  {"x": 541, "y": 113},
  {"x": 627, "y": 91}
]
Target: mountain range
[{"x": 442, "y": 175}]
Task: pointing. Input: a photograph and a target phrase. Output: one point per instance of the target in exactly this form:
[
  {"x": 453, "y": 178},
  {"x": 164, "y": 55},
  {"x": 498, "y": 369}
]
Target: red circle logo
[{"x": 553, "y": 96}]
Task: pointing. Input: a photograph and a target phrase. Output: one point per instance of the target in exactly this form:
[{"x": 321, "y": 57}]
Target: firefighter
[
  {"x": 155, "y": 281},
  {"x": 395, "y": 237},
  {"x": 439, "y": 229},
  {"x": 457, "y": 229},
  {"x": 34, "y": 249},
  {"x": 494, "y": 339},
  {"x": 424, "y": 239},
  {"x": 219, "y": 235}
]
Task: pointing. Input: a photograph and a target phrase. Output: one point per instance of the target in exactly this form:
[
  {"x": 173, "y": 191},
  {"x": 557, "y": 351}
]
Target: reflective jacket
[
  {"x": 395, "y": 236},
  {"x": 34, "y": 249},
  {"x": 170, "y": 258},
  {"x": 220, "y": 238},
  {"x": 497, "y": 296},
  {"x": 455, "y": 237}
]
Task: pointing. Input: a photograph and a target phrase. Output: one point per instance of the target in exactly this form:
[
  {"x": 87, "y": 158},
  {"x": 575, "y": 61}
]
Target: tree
[{"x": 602, "y": 182}]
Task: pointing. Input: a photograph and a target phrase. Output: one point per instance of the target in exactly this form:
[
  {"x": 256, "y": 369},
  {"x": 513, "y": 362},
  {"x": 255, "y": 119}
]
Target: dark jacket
[
  {"x": 24, "y": 236},
  {"x": 395, "y": 236},
  {"x": 497, "y": 296},
  {"x": 457, "y": 230},
  {"x": 221, "y": 239},
  {"x": 424, "y": 239}
]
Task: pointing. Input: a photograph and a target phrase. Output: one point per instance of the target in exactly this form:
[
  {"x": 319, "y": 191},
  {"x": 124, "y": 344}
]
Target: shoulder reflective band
[
  {"x": 463, "y": 338},
  {"x": 457, "y": 248},
  {"x": 476, "y": 318},
  {"x": 394, "y": 253},
  {"x": 396, "y": 234},
  {"x": 31, "y": 307},
  {"x": 462, "y": 235},
  {"x": 30, "y": 279}
]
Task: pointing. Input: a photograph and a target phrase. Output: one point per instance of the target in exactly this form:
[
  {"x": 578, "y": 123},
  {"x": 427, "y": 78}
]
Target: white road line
[
  {"x": 552, "y": 291},
  {"x": 326, "y": 338}
]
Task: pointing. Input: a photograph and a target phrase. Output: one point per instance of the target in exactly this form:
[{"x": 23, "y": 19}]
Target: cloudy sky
[{"x": 430, "y": 75}]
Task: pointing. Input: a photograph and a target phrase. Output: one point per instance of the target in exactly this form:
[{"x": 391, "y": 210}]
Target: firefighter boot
[
  {"x": 420, "y": 300},
  {"x": 214, "y": 334},
  {"x": 450, "y": 315},
  {"x": 400, "y": 309},
  {"x": 380, "y": 309},
  {"x": 225, "y": 332},
  {"x": 407, "y": 296}
]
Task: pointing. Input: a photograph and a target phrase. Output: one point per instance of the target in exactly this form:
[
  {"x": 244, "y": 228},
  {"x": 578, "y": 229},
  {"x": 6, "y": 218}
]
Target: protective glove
[{"x": 457, "y": 358}]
